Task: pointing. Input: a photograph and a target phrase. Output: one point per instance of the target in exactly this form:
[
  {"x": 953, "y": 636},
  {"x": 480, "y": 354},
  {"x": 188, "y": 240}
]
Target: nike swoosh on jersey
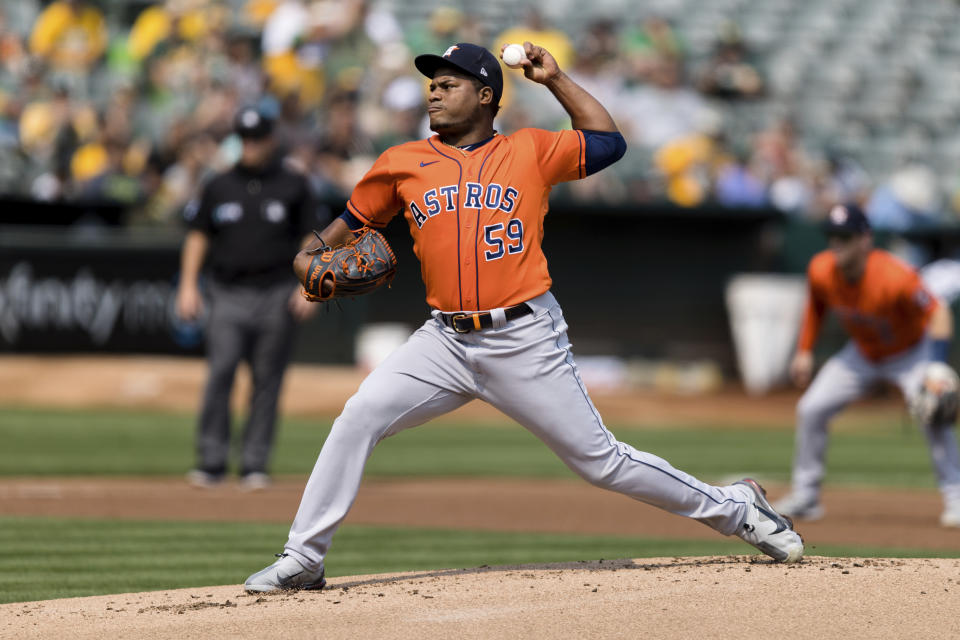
[{"x": 424, "y": 164}]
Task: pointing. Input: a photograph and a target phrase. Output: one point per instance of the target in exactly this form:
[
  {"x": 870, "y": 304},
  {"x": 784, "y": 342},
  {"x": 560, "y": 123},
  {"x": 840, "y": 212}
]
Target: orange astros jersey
[
  {"x": 886, "y": 312},
  {"x": 476, "y": 217}
]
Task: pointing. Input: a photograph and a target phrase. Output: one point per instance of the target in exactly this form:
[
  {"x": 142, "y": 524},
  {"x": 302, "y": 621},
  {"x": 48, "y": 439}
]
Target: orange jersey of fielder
[
  {"x": 885, "y": 313},
  {"x": 476, "y": 217}
]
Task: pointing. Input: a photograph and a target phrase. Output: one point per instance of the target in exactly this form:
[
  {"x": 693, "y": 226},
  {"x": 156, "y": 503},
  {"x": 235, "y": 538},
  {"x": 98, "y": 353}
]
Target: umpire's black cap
[
  {"x": 846, "y": 220},
  {"x": 251, "y": 122},
  {"x": 469, "y": 58}
]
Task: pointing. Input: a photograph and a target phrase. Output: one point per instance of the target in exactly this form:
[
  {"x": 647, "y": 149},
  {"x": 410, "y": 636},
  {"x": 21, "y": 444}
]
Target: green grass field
[
  {"x": 43, "y": 558},
  {"x": 45, "y": 442}
]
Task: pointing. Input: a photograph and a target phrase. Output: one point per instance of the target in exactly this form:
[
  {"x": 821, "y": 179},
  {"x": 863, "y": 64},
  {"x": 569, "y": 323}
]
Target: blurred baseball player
[
  {"x": 896, "y": 329},
  {"x": 475, "y": 203}
]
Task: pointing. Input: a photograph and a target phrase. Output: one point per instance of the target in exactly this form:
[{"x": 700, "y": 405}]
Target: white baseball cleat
[
  {"x": 285, "y": 574},
  {"x": 766, "y": 529},
  {"x": 951, "y": 516},
  {"x": 798, "y": 507}
]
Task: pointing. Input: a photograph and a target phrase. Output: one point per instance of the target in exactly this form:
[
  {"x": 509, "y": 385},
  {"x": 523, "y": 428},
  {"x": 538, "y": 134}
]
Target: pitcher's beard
[
  {"x": 460, "y": 127},
  {"x": 451, "y": 128}
]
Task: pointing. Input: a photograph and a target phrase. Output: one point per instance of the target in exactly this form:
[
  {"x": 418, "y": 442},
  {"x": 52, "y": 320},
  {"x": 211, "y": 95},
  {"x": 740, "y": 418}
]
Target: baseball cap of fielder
[
  {"x": 846, "y": 220},
  {"x": 251, "y": 122},
  {"x": 469, "y": 58}
]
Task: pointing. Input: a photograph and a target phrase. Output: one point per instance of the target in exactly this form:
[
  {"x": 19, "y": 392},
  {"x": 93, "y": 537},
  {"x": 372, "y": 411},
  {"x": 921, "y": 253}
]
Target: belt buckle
[{"x": 453, "y": 322}]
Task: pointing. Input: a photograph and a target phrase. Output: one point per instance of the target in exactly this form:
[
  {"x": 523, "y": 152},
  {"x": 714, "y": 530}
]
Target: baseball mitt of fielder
[
  {"x": 937, "y": 401},
  {"x": 362, "y": 265}
]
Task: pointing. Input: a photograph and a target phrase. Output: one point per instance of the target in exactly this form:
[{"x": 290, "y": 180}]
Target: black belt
[{"x": 464, "y": 322}]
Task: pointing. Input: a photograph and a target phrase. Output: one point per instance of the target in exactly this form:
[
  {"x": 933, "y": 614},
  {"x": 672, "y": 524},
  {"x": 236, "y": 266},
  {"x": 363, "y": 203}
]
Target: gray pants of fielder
[
  {"x": 249, "y": 324},
  {"x": 844, "y": 378}
]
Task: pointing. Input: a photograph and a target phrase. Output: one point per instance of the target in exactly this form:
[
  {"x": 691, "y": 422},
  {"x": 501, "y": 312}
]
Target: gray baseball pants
[
  {"x": 845, "y": 377},
  {"x": 526, "y": 369},
  {"x": 249, "y": 324}
]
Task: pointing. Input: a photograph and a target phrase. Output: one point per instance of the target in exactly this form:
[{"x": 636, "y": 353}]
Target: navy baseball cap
[
  {"x": 846, "y": 220},
  {"x": 469, "y": 58},
  {"x": 251, "y": 122}
]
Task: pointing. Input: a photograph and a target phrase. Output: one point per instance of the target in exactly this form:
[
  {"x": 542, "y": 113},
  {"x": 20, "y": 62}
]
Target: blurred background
[{"x": 745, "y": 119}]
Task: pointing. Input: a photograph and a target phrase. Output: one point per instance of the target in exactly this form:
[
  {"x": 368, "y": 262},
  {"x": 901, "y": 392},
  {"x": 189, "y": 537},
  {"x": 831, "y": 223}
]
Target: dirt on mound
[{"x": 703, "y": 598}]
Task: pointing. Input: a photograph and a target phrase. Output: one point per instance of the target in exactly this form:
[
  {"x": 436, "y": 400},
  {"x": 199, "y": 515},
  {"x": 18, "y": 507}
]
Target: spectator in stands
[
  {"x": 213, "y": 111},
  {"x": 291, "y": 61},
  {"x": 179, "y": 183},
  {"x": 780, "y": 161},
  {"x": 294, "y": 123},
  {"x": 49, "y": 131},
  {"x": 402, "y": 103},
  {"x": 594, "y": 65},
  {"x": 439, "y": 31},
  {"x": 257, "y": 12},
  {"x": 691, "y": 163},
  {"x": 909, "y": 199},
  {"x": 644, "y": 44},
  {"x": 116, "y": 179},
  {"x": 777, "y": 148},
  {"x": 729, "y": 73},
  {"x": 794, "y": 192},
  {"x": 738, "y": 186},
  {"x": 13, "y": 58},
  {"x": 344, "y": 152},
  {"x": 243, "y": 71},
  {"x": 70, "y": 35},
  {"x": 350, "y": 50},
  {"x": 843, "y": 180},
  {"x": 172, "y": 22},
  {"x": 654, "y": 114}
]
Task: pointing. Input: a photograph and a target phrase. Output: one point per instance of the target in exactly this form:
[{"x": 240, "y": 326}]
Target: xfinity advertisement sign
[
  {"x": 84, "y": 300},
  {"x": 82, "y": 304}
]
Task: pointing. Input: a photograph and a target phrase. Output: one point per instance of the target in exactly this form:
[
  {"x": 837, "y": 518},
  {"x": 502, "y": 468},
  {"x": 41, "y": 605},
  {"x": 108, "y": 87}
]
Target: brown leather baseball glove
[{"x": 362, "y": 265}]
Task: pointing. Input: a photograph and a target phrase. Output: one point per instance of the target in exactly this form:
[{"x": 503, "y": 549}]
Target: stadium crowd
[{"x": 137, "y": 109}]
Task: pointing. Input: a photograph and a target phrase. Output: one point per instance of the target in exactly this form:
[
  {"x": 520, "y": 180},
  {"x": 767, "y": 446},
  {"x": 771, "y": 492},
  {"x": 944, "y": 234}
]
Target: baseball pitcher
[{"x": 475, "y": 202}]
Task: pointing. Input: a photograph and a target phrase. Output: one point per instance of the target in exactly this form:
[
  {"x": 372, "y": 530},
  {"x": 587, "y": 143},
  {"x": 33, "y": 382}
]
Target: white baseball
[{"x": 513, "y": 54}]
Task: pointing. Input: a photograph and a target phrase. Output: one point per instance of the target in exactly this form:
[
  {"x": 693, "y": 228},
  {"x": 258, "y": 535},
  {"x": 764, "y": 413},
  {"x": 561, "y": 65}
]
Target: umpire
[{"x": 249, "y": 223}]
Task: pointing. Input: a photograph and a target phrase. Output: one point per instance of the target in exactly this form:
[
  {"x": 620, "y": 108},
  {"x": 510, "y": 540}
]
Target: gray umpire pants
[
  {"x": 847, "y": 376},
  {"x": 255, "y": 325}
]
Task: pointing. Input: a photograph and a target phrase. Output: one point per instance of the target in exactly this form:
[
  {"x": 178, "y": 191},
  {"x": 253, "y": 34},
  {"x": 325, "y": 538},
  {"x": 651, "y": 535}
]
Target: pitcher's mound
[{"x": 701, "y": 598}]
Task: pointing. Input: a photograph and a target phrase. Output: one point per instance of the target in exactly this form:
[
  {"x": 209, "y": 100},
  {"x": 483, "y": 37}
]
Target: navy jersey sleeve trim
[
  {"x": 352, "y": 221},
  {"x": 603, "y": 148},
  {"x": 583, "y": 167}
]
